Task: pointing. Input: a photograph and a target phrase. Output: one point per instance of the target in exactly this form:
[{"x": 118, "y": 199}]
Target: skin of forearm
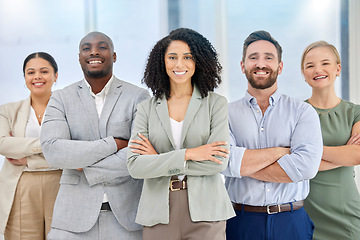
[
  {"x": 325, "y": 165},
  {"x": 347, "y": 155},
  {"x": 255, "y": 160},
  {"x": 272, "y": 173}
]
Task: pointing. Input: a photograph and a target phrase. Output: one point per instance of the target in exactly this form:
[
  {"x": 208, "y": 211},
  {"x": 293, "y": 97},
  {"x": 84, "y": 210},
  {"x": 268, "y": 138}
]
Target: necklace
[
  {"x": 316, "y": 109},
  {"x": 38, "y": 115}
]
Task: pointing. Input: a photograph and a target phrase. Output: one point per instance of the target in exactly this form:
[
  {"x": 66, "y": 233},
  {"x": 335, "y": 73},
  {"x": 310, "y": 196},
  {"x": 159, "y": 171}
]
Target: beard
[{"x": 271, "y": 79}]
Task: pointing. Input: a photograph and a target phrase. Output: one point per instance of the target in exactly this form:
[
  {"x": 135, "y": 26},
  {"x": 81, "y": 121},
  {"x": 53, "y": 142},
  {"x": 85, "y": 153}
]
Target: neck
[
  {"x": 324, "y": 98},
  {"x": 97, "y": 84},
  {"x": 40, "y": 101},
  {"x": 262, "y": 95},
  {"x": 180, "y": 90}
]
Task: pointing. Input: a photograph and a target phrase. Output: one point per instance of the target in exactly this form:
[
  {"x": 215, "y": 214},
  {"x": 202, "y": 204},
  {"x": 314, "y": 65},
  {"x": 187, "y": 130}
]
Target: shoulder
[
  {"x": 128, "y": 86},
  {"x": 15, "y": 106},
  {"x": 294, "y": 103},
  {"x": 215, "y": 99}
]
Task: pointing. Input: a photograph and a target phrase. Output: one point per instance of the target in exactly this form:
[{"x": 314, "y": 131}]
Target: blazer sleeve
[
  {"x": 58, "y": 148},
  {"x": 113, "y": 166},
  {"x": 172, "y": 162},
  {"x": 13, "y": 146},
  {"x": 219, "y": 131}
]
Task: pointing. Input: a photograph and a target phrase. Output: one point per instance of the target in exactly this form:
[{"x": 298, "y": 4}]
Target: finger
[
  {"x": 143, "y": 138},
  {"x": 138, "y": 141},
  {"x": 141, "y": 152},
  {"x": 219, "y": 143},
  {"x": 221, "y": 154},
  {"x": 214, "y": 159},
  {"x": 222, "y": 149}
]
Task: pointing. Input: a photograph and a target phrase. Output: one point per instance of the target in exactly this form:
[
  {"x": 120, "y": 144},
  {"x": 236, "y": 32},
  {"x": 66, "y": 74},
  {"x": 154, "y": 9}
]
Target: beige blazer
[
  {"x": 205, "y": 122},
  {"x": 13, "y": 119}
]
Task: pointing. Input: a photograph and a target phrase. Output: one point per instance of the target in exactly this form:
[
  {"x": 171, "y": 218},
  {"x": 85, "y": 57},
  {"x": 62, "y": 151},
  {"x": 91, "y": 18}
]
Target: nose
[
  {"x": 94, "y": 51},
  {"x": 37, "y": 75},
  {"x": 260, "y": 63},
  {"x": 179, "y": 63}
]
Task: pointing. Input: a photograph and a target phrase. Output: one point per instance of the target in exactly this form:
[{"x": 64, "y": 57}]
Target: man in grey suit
[{"x": 86, "y": 128}]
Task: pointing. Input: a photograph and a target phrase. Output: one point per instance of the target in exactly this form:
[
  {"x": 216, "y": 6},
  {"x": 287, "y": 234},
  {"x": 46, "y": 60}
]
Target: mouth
[
  {"x": 37, "y": 84},
  {"x": 261, "y": 73},
  {"x": 93, "y": 62},
  {"x": 319, "y": 77},
  {"x": 180, "y": 73}
]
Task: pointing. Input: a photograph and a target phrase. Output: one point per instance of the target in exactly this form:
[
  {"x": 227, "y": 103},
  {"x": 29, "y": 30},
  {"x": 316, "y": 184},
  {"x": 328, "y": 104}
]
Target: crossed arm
[{"x": 346, "y": 155}]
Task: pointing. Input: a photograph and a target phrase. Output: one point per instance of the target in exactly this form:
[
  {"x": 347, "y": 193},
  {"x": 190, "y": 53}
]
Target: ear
[
  {"x": 338, "y": 69},
  {"x": 114, "y": 56},
  {"x": 280, "y": 68},
  {"x": 242, "y": 66}
]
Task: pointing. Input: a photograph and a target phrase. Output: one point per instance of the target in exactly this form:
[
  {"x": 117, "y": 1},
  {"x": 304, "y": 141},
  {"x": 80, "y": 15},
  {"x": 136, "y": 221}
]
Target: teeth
[
  {"x": 95, "y": 62},
  {"x": 38, "y": 84},
  {"x": 180, "y": 72},
  {"x": 321, "y": 77},
  {"x": 261, "y": 73}
]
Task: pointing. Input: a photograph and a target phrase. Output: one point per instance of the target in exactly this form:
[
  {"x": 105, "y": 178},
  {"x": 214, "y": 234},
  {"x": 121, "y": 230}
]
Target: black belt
[
  {"x": 105, "y": 206},
  {"x": 270, "y": 209}
]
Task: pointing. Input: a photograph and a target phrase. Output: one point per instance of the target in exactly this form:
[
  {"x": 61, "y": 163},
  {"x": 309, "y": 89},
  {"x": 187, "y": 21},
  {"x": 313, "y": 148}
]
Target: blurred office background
[{"x": 135, "y": 26}]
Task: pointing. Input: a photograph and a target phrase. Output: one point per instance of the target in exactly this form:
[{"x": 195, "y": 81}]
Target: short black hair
[
  {"x": 207, "y": 67},
  {"x": 44, "y": 56},
  {"x": 261, "y": 35}
]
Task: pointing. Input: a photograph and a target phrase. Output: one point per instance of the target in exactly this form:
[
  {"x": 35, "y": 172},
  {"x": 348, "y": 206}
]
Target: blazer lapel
[
  {"x": 23, "y": 116},
  {"x": 163, "y": 114},
  {"x": 89, "y": 105},
  {"x": 110, "y": 102},
  {"x": 192, "y": 109}
]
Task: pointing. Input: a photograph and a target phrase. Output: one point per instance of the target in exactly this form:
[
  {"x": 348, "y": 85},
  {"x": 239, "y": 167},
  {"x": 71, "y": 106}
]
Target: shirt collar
[
  {"x": 273, "y": 99},
  {"x": 104, "y": 91}
]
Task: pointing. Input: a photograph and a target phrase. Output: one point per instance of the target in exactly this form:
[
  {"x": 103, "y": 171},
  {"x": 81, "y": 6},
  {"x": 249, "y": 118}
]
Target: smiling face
[
  {"x": 96, "y": 56},
  {"x": 320, "y": 67},
  {"x": 179, "y": 63},
  {"x": 261, "y": 64},
  {"x": 39, "y": 76}
]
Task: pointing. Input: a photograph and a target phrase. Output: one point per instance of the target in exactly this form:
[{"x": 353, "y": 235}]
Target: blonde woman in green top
[{"x": 334, "y": 201}]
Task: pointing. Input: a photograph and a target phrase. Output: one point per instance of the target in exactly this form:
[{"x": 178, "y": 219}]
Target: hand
[
  {"x": 143, "y": 146},
  {"x": 354, "y": 139},
  {"x": 18, "y": 162},
  {"x": 120, "y": 143},
  {"x": 207, "y": 152}
]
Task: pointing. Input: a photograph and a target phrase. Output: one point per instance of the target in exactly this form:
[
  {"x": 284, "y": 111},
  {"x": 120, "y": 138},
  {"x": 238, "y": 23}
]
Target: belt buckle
[
  {"x": 171, "y": 185},
  {"x": 268, "y": 209}
]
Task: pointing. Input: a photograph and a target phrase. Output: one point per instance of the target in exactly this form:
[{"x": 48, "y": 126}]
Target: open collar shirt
[{"x": 287, "y": 122}]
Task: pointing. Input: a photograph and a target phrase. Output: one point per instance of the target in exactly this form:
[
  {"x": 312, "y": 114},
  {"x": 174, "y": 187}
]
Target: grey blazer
[
  {"x": 73, "y": 136},
  {"x": 205, "y": 122}
]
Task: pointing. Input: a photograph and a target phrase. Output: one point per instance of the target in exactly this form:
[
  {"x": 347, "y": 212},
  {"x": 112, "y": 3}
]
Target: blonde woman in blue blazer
[{"x": 179, "y": 142}]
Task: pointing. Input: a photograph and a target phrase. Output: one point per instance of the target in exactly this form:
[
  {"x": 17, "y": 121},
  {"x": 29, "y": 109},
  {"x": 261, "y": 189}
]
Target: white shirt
[
  {"x": 32, "y": 130},
  {"x": 99, "y": 99},
  {"x": 176, "y": 128}
]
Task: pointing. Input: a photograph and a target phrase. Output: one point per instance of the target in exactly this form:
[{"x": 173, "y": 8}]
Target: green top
[{"x": 334, "y": 201}]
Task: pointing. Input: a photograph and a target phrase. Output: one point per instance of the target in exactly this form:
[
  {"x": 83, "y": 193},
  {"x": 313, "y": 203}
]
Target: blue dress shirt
[{"x": 287, "y": 122}]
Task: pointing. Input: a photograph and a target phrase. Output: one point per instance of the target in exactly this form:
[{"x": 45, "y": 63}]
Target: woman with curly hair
[{"x": 179, "y": 143}]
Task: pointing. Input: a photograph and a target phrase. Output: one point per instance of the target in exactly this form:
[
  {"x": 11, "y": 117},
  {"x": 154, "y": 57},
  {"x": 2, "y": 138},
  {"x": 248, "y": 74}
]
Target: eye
[
  {"x": 172, "y": 57},
  {"x": 308, "y": 66},
  {"x": 45, "y": 71},
  {"x": 103, "y": 48},
  {"x": 188, "y": 57},
  {"x": 30, "y": 73}
]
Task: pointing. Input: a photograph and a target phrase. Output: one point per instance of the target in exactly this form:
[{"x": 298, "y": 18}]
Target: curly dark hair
[{"x": 207, "y": 67}]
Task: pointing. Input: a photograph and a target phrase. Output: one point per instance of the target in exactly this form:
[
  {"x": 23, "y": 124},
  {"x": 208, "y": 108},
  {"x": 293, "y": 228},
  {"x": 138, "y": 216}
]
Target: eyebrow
[
  {"x": 34, "y": 68},
  {"x": 176, "y": 54}
]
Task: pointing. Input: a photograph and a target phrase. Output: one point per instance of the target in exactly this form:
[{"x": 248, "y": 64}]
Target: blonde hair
[{"x": 316, "y": 45}]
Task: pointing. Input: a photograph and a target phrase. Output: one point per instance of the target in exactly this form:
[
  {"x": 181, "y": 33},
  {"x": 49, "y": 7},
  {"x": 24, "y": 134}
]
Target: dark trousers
[{"x": 294, "y": 225}]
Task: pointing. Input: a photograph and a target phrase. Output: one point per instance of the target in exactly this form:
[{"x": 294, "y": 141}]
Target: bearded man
[{"x": 276, "y": 147}]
